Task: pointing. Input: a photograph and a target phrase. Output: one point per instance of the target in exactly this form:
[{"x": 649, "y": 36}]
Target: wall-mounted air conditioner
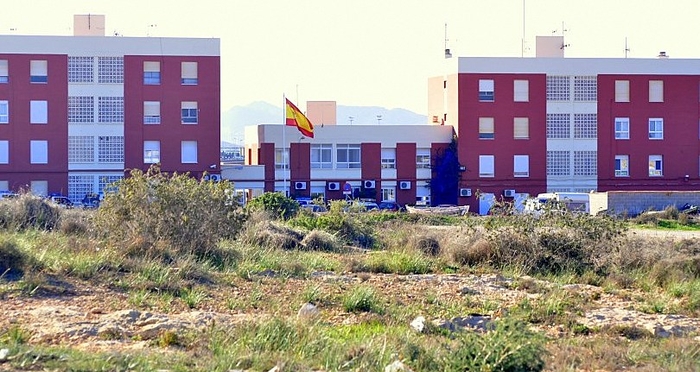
[
  {"x": 465, "y": 192},
  {"x": 405, "y": 185},
  {"x": 333, "y": 186},
  {"x": 369, "y": 184},
  {"x": 509, "y": 193},
  {"x": 299, "y": 185}
]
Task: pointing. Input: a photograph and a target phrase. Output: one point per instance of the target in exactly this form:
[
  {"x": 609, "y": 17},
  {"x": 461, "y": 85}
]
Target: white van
[{"x": 573, "y": 201}]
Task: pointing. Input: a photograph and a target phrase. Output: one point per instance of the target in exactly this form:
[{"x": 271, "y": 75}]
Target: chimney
[{"x": 88, "y": 25}]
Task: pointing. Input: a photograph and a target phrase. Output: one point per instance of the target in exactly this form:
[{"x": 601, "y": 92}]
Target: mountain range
[{"x": 235, "y": 119}]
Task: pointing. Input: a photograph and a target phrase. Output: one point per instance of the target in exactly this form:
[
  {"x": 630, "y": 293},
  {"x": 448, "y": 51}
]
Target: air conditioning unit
[
  {"x": 215, "y": 177},
  {"x": 509, "y": 193},
  {"x": 465, "y": 192},
  {"x": 369, "y": 184},
  {"x": 333, "y": 186},
  {"x": 405, "y": 185},
  {"x": 299, "y": 185}
]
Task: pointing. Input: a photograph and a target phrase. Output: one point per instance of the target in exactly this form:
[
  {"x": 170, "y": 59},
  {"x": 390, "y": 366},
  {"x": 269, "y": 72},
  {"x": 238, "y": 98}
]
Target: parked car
[
  {"x": 60, "y": 200},
  {"x": 390, "y": 205},
  {"x": 314, "y": 208},
  {"x": 5, "y": 194}
]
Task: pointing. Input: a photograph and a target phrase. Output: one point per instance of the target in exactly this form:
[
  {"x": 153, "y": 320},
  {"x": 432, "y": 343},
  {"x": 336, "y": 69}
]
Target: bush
[
  {"x": 349, "y": 228},
  {"x": 28, "y": 212},
  {"x": 318, "y": 240},
  {"x": 361, "y": 299},
  {"x": 276, "y": 204},
  {"x": 511, "y": 346},
  {"x": 12, "y": 260},
  {"x": 188, "y": 215},
  {"x": 260, "y": 231}
]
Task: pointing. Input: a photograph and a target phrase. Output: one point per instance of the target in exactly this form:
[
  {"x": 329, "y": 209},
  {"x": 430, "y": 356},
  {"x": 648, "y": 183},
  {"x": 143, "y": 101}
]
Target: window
[
  {"x": 347, "y": 156},
  {"x": 322, "y": 156},
  {"x": 585, "y": 88},
  {"x": 656, "y": 128},
  {"x": 110, "y": 109},
  {"x": 110, "y": 149},
  {"x": 81, "y": 149},
  {"x": 521, "y": 128},
  {"x": 486, "y": 128},
  {"x": 4, "y": 112},
  {"x": 585, "y": 163},
  {"x": 655, "y": 166},
  {"x": 388, "y": 158},
  {"x": 656, "y": 90},
  {"x": 486, "y": 91},
  {"x": 39, "y": 152},
  {"x": 189, "y": 73},
  {"x": 622, "y": 90},
  {"x": 486, "y": 166},
  {"x": 188, "y": 152},
  {"x": 521, "y": 90},
  {"x": 38, "y": 71},
  {"x": 4, "y": 152},
  {"x": 38, "y": 112},
  {"x": 151, "y": 73},
  {"x": 151, "y": 152},
  {"x": 558, "y": 126},
  {"x": 151, "y": 112},
  {"x": 110, "y": 70},
  {"x": 388, "y": 193},
  {"x": 521, "y": 166},
  {"x": 558, "y": 88},
  {"x": 281, "y": 158},
  {"x": 586, "y": 126},
  {"x": 558, "y": 163},
  {"x": 105, "y": 183},
  {"x": 80, "y": 69},
  {"x": 81, "y": 109},
  {"x": 622, "y": 128},
  {"x": 79, "y": 186},
  {"x": 422, "y": 158},
  {"x": 4, "y": 71},
  {"x": 189, "y": 112},
  {"x": 622, "y": 166}
]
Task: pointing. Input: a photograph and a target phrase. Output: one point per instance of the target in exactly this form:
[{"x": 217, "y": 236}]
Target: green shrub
[
  {"x": 12, "y": 260},
  {"x": 511, "y": 346},
  {"x": 189, "y": 216},
  {"x": 361, "y": 299},
  {"x": 278, "y": 205},
  {"x": 349, "y": 228}
]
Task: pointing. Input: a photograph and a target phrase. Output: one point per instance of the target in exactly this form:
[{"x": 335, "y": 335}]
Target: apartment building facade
[
  {"x": 382, "y": 162},
  {"x": 77, "y": 112},
  {"x": 532, "y": 125}
]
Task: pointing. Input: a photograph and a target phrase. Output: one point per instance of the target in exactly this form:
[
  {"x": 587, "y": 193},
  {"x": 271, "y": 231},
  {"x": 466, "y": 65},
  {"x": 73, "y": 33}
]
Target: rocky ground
[{"x": 100, "y": 318}]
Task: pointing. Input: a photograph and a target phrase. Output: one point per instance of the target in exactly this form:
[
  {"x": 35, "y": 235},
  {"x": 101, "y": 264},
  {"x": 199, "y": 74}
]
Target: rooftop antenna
[
  {"x": 522, "y": 39},
  {"x": 563, "y": 31},
  {"x": 447, "y": 50},
  {"x": 627, "y": 49}
]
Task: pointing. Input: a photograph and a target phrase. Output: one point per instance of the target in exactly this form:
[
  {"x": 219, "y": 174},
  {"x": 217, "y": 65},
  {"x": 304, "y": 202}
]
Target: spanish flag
[{"x": 296, "y": 119}]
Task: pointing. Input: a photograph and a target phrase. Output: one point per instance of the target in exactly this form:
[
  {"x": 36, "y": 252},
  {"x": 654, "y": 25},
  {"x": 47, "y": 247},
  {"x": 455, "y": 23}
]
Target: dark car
[{"x": 390, "y": 206}]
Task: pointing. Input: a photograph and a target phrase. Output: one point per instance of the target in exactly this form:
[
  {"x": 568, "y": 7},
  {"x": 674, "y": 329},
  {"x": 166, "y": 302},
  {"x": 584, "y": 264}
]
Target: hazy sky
[{"x": 371, "y": 52}]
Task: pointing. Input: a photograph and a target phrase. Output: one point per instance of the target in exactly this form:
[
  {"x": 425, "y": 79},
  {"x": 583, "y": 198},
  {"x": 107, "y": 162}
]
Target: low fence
[{"x": 633, "y": 203}]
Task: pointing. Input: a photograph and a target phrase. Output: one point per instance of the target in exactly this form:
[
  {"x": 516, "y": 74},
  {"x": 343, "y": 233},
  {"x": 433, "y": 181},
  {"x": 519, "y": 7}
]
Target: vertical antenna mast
[
  {"x": 447, "y": 50},
  {"x": 522, "y": 40},
  {"x": 626, "y": 48}
]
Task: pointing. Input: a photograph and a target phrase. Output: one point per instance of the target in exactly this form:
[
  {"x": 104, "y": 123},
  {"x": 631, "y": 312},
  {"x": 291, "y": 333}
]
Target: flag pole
[{"x": 284, "y": 143}]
